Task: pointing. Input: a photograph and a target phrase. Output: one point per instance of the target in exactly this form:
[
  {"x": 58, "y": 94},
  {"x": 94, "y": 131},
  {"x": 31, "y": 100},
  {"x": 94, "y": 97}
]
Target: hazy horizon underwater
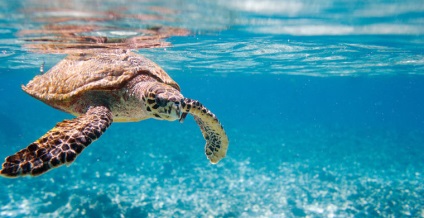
[{"x": 322, "y": 101}]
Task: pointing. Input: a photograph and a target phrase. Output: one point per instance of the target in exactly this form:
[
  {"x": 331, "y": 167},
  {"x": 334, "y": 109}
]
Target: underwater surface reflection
[{"x": 321, "y": 100}]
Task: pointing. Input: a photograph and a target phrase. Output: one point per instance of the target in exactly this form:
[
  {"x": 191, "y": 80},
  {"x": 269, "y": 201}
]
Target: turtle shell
[{"x": 79, "y": 73}]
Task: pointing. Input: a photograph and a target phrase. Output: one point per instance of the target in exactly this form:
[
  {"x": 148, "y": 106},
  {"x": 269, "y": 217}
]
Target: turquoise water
[{"x": 322, "y": 102}]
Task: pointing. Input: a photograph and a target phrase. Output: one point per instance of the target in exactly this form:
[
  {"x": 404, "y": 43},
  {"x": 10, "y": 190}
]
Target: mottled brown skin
[
  {"x": 99, "y": 88},
  {"x": 60, "y": 145},
  {"x": 212, "y": 130}
]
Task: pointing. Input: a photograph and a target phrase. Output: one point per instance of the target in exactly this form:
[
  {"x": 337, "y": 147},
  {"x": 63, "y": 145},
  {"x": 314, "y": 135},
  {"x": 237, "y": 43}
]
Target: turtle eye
[{"x": 161, "y": 102}]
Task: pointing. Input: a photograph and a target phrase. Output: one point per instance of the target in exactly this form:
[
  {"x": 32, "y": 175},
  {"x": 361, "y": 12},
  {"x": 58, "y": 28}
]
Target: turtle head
[{"x": 163, "y": 102}]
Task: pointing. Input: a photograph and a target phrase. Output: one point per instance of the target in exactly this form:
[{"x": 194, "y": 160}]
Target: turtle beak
[
  {"x": 178, "y": 109},
  {"x": 183, "y": 116}
]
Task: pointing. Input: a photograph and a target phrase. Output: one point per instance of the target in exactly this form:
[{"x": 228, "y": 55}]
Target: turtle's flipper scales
[
  {"x": 215, "y": 136},
  {"x": 60, "y": 145}
]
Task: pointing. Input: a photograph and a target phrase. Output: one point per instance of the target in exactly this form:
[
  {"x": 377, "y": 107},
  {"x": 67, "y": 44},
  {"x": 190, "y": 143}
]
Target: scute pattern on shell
[{"x": 79, "y": 73}]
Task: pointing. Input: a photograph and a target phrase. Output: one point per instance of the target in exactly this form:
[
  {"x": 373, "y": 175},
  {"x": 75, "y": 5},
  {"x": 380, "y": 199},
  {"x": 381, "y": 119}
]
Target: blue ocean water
[{"x": 322, "y": 102}]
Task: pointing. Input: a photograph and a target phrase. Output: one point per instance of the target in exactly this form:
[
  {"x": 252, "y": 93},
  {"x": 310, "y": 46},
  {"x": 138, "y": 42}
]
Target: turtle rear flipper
[
  {"x": 215, "y": 136},
  {"x": 60, "y": 145}
]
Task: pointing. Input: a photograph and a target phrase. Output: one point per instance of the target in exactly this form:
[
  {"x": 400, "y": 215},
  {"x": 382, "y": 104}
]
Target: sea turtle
[{"x": 100, "y": 87}]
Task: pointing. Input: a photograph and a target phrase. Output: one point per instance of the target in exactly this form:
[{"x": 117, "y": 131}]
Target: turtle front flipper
[
  {"x": 214, "y": 134},
  {"x": 60, "y": 145}
]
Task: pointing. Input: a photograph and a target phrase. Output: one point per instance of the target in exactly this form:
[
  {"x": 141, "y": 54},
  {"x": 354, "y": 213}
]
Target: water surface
[{"x": 322, "y": 102}]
